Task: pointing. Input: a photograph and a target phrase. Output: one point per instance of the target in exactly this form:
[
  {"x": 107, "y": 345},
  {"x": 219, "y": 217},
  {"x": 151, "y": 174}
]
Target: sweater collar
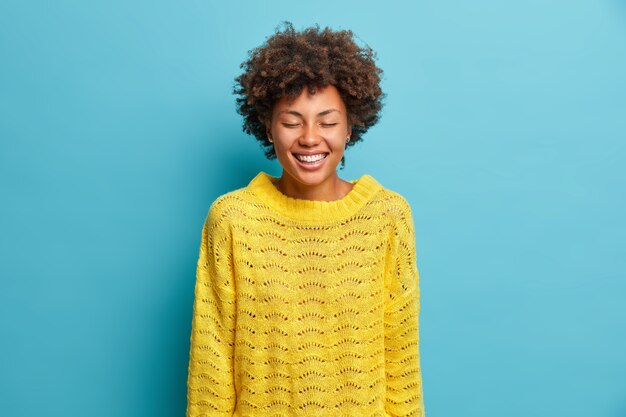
[{"x": 316, "y": 211}]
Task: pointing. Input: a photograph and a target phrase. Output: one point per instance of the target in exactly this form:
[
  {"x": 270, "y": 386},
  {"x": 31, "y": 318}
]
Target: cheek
[
  {"x": 282, "y": 144},
  {"x": 284, "y": 137},
  {"x": 339, "y": 143},
  {"x": 282, "y": 150}
]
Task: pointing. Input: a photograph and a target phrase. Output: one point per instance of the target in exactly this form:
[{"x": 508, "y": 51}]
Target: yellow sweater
[{"x": 306, "y": 308}]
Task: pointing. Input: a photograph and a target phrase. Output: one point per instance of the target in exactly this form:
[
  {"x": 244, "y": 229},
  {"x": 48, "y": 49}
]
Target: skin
[{"x": 320, "y": 127}]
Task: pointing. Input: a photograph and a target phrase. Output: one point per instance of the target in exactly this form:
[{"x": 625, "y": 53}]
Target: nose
[{"x": 310, "y": 136}]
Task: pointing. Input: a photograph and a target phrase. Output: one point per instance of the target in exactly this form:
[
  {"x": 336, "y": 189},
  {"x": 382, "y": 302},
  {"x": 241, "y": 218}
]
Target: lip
[{"x": 310, "y": 167}]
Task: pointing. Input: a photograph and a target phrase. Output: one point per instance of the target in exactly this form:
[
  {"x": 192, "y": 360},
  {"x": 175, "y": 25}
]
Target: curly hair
[{"x": 289, "y": 61}]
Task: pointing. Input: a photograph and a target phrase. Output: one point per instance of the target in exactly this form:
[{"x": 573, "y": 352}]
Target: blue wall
[{"x": 504, "y": 126}]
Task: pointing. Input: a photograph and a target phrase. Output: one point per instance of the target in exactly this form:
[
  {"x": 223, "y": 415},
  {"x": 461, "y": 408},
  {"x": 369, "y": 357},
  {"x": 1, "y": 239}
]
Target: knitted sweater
[{"x": 306, "y": 308}]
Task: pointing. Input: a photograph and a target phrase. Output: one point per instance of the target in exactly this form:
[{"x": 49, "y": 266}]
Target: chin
[{"x": 311, "y": 177}]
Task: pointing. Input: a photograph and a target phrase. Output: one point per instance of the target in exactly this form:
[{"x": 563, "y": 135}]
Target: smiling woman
[
  {"x": 309, "y": 136},
  {"x": 307, "y": 288}
]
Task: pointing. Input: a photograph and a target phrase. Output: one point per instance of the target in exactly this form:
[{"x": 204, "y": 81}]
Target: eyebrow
[{"x": 295, "y": 113}]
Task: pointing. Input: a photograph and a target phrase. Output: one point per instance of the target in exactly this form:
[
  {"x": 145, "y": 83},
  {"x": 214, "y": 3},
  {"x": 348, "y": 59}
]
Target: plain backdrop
[{"x": 504, "y": 127}]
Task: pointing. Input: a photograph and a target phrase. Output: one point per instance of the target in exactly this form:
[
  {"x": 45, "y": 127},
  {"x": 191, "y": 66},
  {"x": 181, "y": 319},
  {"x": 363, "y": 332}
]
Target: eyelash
[{"x": 323, "y": 124}]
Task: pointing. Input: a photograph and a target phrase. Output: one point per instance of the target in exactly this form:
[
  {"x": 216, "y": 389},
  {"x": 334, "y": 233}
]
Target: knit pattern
[{"x": 306, "y": 308}]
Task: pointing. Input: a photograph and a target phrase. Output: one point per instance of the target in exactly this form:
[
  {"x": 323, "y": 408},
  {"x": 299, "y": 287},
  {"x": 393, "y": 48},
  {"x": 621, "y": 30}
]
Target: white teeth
[{"x": 311, "y": 158}]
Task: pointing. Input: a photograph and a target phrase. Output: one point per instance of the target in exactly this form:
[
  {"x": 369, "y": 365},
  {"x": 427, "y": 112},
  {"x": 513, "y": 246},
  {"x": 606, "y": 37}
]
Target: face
[{"x": 309, "y": 135}]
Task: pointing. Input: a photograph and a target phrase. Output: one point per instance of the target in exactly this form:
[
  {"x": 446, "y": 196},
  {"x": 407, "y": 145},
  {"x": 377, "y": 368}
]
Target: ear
[
  {"x": 268, "y": 132},
  {"x": 268, "y": 128}
]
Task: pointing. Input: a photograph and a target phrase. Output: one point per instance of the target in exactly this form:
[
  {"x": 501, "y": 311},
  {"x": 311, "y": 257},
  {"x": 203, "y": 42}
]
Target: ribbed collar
[{"x": 316, "y": 211}]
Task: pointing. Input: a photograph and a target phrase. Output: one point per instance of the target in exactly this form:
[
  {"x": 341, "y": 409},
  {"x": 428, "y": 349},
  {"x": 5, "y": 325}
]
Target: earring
[
  {"x": 271, "y": 141},
  {"x": 348, "y": 139}
]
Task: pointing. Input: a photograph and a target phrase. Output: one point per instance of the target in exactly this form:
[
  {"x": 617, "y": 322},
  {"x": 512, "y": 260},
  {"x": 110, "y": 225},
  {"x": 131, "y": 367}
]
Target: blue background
[{"x": 504, "y": 127}]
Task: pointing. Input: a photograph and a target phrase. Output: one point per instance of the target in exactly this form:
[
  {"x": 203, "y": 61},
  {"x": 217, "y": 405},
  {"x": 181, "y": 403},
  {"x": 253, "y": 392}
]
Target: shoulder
[
  {"x": 394, "y": 203},
  {"x": 227, "y": 207},
  {"x": 226, "y": 201},
  {"x": 397, "y": 210}
]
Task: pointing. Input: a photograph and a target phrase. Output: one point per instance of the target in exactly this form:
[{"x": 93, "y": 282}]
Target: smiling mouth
[{"x": 310, "y": 159}]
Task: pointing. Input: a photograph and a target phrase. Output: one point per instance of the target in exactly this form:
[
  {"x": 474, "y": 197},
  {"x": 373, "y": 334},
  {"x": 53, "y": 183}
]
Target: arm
[
  {"x": 402, "y": 306},
  {"x": 210, "y": 382}
]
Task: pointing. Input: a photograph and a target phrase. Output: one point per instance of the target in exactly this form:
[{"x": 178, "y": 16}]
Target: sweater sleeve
[
  {"x": 210, "y": 382},
  {"x": 402, "y": 307}
]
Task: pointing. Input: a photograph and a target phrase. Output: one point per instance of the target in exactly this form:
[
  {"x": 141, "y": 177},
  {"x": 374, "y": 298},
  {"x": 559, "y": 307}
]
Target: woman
[{"x": 307, "y": 296}]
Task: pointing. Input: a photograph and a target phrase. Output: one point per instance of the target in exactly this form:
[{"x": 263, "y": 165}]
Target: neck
[{"x": 331, "y": 189}]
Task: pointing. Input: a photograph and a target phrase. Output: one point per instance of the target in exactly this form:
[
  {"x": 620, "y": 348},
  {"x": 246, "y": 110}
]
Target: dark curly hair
[{"x": 289, "y": 60}]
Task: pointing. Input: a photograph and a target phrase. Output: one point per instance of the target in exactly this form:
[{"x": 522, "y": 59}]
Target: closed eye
[{"x": 296, "y": 125}]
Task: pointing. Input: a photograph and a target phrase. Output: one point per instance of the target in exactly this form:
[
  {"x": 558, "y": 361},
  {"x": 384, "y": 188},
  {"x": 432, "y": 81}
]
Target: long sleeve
[
  {"x": 210, "y": 382},
  {"x": 402, "y": 358}
]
